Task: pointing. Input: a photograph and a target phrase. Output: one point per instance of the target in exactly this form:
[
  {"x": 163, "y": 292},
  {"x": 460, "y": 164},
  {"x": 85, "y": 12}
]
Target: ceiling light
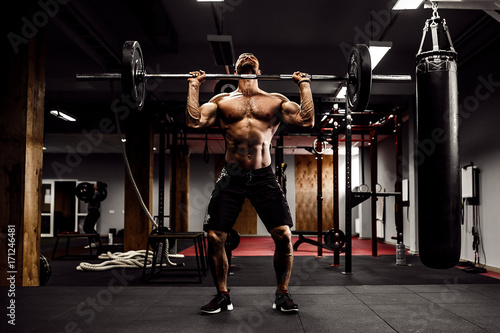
[
  {"x": 378, "y": 51},
  {"x": 342, "y": 92},
  {"x": 210, "y": 0},
  {"x": 62, "y": 115},
  {"x": 407, "y": 4}
]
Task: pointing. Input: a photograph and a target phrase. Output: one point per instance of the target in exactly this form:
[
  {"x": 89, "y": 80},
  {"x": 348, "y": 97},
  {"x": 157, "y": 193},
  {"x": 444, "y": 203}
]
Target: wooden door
[{"x": 306, "y": 192}]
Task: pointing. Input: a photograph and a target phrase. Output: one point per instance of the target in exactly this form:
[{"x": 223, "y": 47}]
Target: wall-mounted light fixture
[{"x": 62, "y": 115}]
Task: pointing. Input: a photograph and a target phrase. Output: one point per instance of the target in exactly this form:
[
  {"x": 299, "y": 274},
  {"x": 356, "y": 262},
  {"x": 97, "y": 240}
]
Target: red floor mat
[
  {"x": 264, "y": 246},
  {"x": 492, "y": 274}
]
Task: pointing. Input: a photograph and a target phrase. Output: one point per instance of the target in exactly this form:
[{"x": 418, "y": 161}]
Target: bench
[
  {"x": 154, "y": 241},
  {"x": 303, "y": 239},
  {"x": 69, "y": 236}
]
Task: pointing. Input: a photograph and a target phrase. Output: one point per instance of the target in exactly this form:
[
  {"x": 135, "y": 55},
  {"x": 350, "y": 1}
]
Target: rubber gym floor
[{"x": 378, "y": 297}]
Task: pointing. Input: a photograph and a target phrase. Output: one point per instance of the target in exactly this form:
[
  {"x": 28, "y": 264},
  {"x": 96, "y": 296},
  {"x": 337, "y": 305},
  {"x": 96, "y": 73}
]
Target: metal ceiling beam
[
  {"x": 79, "y": 41},
  {"x": 466, "y": 4},
  {"x": 84, "y": 35},
  {"x": 83, "y": 15},
  {"x": 153, "y": 18},
  {"x": 493, "y": 14}
]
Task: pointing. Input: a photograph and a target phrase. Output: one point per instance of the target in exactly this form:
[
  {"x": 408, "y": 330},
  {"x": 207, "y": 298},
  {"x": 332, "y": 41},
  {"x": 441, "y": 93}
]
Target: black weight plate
[
  {"x": 234, "y": 239},
  {"x": 334, "y": 239},
  {"x": 133, "y": 81},
  {"x": 84, "y": 191},
  {"x": 359, "y": 78},
  {"x": 45, "y": 270}
]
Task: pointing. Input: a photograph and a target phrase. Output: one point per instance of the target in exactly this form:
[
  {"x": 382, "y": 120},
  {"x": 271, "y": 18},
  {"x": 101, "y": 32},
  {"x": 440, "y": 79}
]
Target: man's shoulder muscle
[
  {"x": 279, "y": 96},
  {"x": 219, "y": 97}
]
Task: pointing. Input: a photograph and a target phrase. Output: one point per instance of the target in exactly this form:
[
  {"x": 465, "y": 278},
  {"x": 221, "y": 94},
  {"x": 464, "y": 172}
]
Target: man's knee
[
  {"x": 283, "y": 238},
  {"x": 216, "y": 239},
  {"x": 281, "y": 232}
]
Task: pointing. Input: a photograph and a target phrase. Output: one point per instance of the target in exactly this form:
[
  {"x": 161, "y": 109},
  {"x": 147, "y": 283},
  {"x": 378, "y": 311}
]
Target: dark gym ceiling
[{"x": 312, "y": 36}]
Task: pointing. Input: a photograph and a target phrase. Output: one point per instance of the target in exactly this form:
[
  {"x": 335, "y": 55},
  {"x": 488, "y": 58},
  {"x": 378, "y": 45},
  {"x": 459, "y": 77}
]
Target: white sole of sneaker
[
  {"x": 229, "y": 308},
  {"x": 283, "y": 310}
]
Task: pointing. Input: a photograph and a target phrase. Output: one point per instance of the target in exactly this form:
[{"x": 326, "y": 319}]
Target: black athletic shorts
[{"x": 259, "y": 186}]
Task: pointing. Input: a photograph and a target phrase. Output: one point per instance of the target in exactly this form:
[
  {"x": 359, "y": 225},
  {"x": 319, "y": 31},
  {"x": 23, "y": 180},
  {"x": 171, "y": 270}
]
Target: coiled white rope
[{"x": 130, "y": 259}]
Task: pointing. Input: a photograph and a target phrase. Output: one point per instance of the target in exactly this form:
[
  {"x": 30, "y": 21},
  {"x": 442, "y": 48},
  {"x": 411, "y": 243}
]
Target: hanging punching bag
[{"x": 439, "y": 190}]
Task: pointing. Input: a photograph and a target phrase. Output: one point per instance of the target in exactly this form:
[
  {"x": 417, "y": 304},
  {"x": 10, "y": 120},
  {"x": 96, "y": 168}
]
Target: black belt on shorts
[{"x": 245, "y": 174}]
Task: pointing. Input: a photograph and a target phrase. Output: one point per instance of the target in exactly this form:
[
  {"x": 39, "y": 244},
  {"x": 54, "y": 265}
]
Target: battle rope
[
  {"x": 138, "y": 194},
  {"x": 130, "y": 175},
  {"x": 130, "y": 259}
]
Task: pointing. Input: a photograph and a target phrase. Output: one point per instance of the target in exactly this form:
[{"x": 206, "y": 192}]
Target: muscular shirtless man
[{"x": 248, "y": 118}]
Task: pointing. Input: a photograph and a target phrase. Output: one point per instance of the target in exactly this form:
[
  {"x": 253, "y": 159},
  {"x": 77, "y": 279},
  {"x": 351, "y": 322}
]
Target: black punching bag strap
[
  {"x": 435, "y": 36},
  {"x": 445, "y": 27},
  {"x": 426, "y": 28},
  {"x": 434, "y": 27}
]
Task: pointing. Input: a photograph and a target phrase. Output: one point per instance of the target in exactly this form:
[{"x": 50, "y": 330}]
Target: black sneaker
[
  {"x": 284, "y": 302},
  {"x": 220, "y": 303}
]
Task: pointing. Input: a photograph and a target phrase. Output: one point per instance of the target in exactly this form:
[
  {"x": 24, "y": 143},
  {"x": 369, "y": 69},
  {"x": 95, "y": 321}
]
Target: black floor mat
[{"x": 258, "y": 271}]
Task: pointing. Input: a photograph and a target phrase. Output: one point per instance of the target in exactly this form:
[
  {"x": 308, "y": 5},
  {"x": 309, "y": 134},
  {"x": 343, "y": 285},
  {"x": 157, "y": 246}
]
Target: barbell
[{"x": 134, "y": 76}]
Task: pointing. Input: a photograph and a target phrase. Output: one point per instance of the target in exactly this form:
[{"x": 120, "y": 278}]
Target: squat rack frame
[{"x": 354, "y": 198}]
